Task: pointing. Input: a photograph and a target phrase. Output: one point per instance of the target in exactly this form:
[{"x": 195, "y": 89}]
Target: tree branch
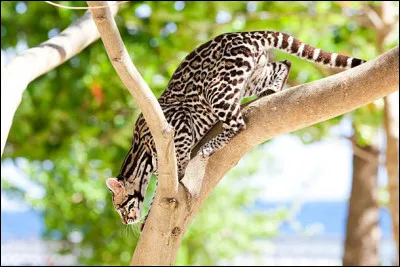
[
  {"x": 162, "y": 132},
  {"x": 266, "y": 118},
  {"x": 34, "y": 62},
  {"x": 167, "y": 192}
]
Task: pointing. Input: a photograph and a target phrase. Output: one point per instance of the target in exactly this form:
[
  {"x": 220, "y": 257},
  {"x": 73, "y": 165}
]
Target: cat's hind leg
[{"x": 274, "y": 76}]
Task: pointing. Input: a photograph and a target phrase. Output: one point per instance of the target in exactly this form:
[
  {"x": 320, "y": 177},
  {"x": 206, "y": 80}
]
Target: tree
[
  {"x": 107, "y": 140},
  {"x": 362, "y": 235}
]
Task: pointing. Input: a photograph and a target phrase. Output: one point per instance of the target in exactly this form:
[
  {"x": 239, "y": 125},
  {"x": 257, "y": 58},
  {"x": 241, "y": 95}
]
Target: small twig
[
  {"x": 373, "y": 17},
  {"x": 82, "y": 7}
]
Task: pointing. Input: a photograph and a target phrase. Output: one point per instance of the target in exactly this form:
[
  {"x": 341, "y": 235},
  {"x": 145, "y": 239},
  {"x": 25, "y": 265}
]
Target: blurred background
[{"x": 317, "y": 196}]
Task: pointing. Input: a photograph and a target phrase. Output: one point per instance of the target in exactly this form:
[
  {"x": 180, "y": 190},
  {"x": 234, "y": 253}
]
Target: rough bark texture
[
  {"x": 362, "y": 231},
  {"x": 392, "y": 161},
  {"x": 36, "y": 61},
  {"x": 266, "y": 118}
]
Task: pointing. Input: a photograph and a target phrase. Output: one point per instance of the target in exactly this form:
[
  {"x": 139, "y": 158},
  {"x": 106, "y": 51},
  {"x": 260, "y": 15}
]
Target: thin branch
[
  {"x": 36, "y": 61},
  {"x": 162, "y": 132},
  {"x": 373, "y": 17}
]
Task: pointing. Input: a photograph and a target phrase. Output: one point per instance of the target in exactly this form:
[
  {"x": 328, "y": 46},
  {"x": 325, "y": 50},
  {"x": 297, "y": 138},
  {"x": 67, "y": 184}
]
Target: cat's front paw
[{"x": 206, "y": 151}]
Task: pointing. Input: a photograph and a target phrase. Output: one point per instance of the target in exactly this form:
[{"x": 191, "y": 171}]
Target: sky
[{"x": 315, "y": 172}]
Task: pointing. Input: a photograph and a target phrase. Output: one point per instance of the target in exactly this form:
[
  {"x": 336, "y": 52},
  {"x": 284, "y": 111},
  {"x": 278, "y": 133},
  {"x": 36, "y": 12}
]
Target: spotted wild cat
[{"x": 207, "y": 87}]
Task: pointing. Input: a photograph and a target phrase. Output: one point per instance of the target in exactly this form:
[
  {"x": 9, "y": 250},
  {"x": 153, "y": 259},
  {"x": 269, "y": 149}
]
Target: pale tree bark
[
  {"x": 36, "y": 61},
  {"x": 163, "y": 134},
  {"x": 287, "y": 111},
  {"x": 362, "y": 229}
]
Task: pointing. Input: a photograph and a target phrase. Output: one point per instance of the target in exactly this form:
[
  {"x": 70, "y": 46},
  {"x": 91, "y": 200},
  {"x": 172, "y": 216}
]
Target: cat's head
[
  {"x": 127, "y": 205},
  {"x": 129, "y": 188}
]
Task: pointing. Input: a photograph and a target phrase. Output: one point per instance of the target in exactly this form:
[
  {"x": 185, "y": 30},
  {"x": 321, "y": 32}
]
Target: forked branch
[{"x": 161, "y": 131}]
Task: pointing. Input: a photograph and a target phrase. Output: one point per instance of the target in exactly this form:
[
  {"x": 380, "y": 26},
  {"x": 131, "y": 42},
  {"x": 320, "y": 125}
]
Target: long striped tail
[{"x": 289, "y": 44}]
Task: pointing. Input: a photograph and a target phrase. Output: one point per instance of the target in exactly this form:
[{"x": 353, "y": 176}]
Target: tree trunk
[
  {"x": 387, "y": 24},
  {"x": 362, "y": 233},
  {"x": 392, "y": 162}
]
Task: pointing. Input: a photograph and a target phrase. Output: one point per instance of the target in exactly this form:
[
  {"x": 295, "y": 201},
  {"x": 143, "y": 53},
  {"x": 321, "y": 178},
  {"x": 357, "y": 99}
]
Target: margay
[{"x": 206, "y": 88}]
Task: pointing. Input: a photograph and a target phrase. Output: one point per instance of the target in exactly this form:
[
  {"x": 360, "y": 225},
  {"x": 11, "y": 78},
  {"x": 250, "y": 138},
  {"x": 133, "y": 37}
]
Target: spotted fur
[{"x": 207, "y": 87}]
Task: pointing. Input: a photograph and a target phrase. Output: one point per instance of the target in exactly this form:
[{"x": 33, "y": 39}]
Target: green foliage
[{"x": 74, "y": 124}]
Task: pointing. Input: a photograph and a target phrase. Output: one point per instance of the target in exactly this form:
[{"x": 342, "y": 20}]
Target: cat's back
[{"x": 196, "y": 69}]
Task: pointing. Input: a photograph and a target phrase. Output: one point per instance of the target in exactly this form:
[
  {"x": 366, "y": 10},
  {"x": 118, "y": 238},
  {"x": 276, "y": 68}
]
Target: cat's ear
[{"x": 115, "y": 185}]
